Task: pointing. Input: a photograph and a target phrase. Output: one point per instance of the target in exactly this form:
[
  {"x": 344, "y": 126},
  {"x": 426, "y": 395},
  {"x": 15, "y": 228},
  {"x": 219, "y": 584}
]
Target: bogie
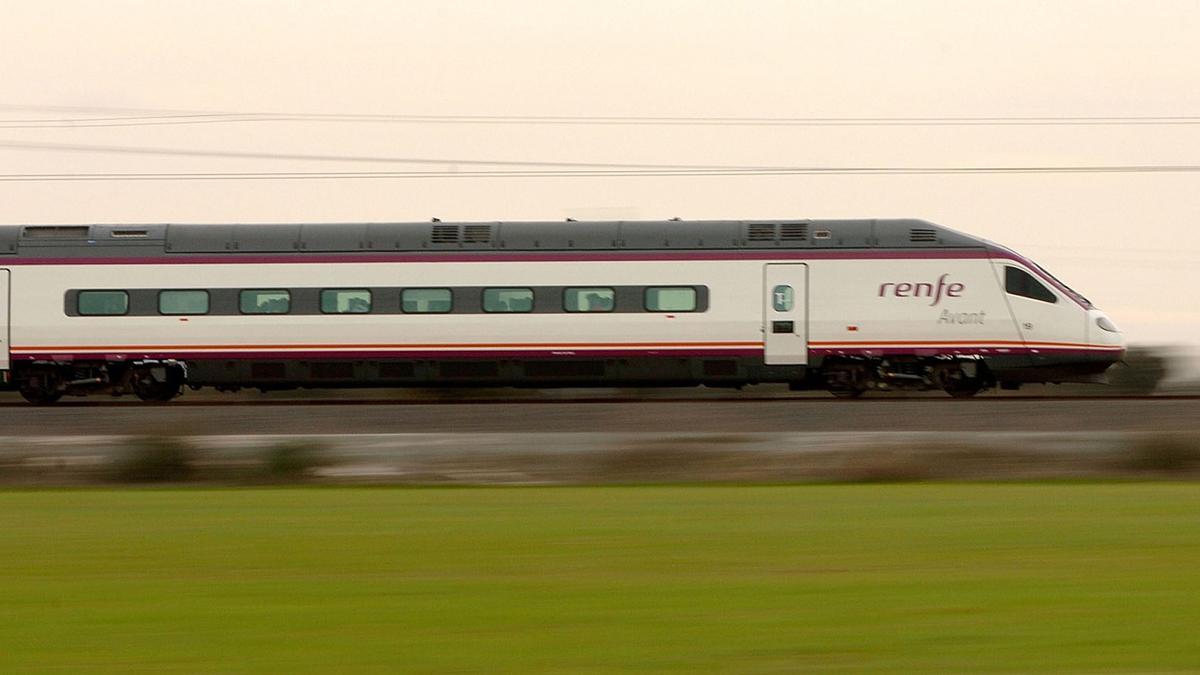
[
  {"x": 42, "y": 386},
  {"x": 46, "y": 383},
  {"x": 960, "y": 378}
]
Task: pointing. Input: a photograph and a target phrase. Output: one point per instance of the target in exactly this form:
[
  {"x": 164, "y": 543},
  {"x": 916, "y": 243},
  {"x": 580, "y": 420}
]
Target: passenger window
[
  {"x": 589, "y": 299},
  {"x": 426, "y": 300},
  {"x": 508, "y": 299},
  {"x": 265, "y": 302},
  {"x": 671, "y": 299},
  {"x": 102, "y": 303},
  {"x": 1019, "y": 282},
  {"x": 183, "y": 302},
  {"x": 345, "y": 301}
]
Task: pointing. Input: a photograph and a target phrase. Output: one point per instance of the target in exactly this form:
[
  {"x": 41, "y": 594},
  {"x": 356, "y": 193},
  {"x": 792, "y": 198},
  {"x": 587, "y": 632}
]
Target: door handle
[{"x": 783, "y": 327}]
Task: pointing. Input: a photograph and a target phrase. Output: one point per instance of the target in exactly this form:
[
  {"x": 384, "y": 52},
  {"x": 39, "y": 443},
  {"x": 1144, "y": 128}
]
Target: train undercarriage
[
  {"x": 851, "y": 377},
  {"x": 162, "y": 380},
  {"x": 43, "y": 383}
]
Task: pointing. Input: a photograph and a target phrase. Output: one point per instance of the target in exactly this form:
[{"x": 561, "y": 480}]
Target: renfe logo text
[{"x": 936, "y": 291}]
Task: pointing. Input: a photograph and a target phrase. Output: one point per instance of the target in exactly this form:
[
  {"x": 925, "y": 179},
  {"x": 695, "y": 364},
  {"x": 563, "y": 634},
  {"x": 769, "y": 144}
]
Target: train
[{"x": 845, "y": 306}]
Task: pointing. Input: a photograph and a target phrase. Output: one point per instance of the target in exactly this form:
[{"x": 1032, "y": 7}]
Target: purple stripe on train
[{"x": 555, "y": 354}]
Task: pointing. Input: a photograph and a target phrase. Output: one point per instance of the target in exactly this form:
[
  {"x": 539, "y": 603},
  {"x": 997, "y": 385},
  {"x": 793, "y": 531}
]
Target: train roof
[{"x": 183, "y": 239}]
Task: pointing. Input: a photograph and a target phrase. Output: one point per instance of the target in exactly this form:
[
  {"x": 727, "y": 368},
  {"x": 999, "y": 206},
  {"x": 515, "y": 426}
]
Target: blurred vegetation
[
  {"x": 294, "y": 460},
  {"x": 640, "y": 459},
  {"x": 1165, "y": 453},
  {"x": 1141, "y": 372},
  {"x": 155, "y": 459}
]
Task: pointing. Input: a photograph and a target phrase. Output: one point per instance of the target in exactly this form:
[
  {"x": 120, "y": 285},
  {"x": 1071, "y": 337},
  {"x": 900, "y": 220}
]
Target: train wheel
[
  {"x": 152, "y": 390},
  {"x": 956, "y": 382},
  {"x": 41, "y": 388},
  {"x": 846, "y": 380},
  {"x": 159, "y": 392},
  {"x": 964, "y": 389}
]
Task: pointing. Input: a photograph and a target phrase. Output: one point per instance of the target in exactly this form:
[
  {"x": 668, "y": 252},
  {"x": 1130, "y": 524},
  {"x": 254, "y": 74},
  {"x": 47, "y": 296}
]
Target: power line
[
  {"x": 97, "y": 110},
  {"x": 369, "y": 159},
  {"x": 171, "y": 118},
  {"x": 596, "y": 173},
  {"x": 531, "y": 167}
]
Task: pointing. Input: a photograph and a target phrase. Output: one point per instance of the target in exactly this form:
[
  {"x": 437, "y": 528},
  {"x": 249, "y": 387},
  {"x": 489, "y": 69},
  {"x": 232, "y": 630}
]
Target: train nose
[{"x": 1104, "y": 331}]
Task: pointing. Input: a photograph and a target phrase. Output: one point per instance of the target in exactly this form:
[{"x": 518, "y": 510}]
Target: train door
[
  {"x": 785, "y": 314},
  {"x": 4, "y": 364}
]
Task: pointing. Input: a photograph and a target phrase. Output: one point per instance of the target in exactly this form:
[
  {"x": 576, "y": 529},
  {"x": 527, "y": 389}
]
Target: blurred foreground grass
[{"x": 1011, "y": 577}]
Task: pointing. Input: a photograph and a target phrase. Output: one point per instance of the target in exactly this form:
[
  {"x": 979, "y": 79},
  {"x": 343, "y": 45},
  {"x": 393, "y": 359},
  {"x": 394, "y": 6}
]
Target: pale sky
[{"x": 1129, "y": 241}]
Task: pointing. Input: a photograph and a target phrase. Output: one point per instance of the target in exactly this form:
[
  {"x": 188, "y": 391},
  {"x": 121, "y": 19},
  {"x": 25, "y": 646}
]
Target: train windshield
[{"x": 1078, "y": 296}]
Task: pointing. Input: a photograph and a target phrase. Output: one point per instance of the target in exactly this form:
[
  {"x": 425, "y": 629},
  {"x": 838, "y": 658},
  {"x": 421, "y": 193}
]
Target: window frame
[
  {"x": 612, "y": 297},
  {"x": 695, "y": 299},
  {"x": 450, "y": 291},
  {"x": 242, "y": 309},
  {"x": 483, "y": 299},
  {"x": 321, "y": 299},
  {"x": 1053, "y": 297},
  {"x": 207, "y": 301},
  {"x": 79, "y": 299}
]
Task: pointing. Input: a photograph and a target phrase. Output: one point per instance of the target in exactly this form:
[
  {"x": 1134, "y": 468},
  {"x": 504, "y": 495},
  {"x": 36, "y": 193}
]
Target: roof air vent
[
  {"x": 130, "y": 234},
  {"x": 477, "y": 234},
  {"x": 57, "y": 231},
  {"x": 922, "y": 235},
  {"x": 444, "y": 234},
  {"x": 793, "y": 231},
  {"x": 760, "y": 232}
]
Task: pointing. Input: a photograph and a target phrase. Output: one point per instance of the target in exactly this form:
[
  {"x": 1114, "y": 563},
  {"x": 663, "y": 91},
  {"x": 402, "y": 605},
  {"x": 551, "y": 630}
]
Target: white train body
[{"x": 847, "y": 318}]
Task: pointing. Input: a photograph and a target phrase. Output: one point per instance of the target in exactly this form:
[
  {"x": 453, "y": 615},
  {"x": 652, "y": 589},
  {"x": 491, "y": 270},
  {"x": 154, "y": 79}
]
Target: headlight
[{"x": 1106, "y": 323}]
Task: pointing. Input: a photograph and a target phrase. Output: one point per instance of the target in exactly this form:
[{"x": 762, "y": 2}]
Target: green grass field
[{"x": 1082, "y": 577}]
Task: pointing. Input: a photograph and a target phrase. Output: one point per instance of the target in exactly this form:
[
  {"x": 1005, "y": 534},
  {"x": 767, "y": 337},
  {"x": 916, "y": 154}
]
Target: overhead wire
[
  {"x": 478, "y": 168},
  {"x": 371, "y": 159},
  {"x": 162, "y": 118},
  {"x": 583, "y": 173}
]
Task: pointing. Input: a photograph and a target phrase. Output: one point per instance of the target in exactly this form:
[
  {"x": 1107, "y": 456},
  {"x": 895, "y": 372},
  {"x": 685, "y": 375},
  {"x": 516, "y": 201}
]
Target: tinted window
[
  {"x": 1019, "y": 282},
  {"x": 783, "y": 298},
  {"x": 265, "y": 302},
  {"x": 183, "y": 302},
  {"x": 102, "y": 303},
  {"x": 671, "y": 299},
  {"x": 345, "y": 301},
  {"x": 426, "y": 300},
  {"x": 508, "y": 300},
  {"x": 589, "y": 299}
]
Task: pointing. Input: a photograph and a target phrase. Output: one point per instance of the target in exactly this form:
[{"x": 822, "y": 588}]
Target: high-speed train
[{"x": 843, "y": 305}]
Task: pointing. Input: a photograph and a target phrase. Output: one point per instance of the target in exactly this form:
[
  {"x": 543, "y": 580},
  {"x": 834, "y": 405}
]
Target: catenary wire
[
  {"x": 599, "y": 173},
  {"x": 372, "y": 159},
  {"x": 151, "y": 117},
  {"x": 532, "y": 167}
]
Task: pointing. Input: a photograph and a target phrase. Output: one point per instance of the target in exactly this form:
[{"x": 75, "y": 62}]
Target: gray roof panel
[
  {"x": 266, "y": 238},
  {"x": 8, "y": 239},
  {"x": 912, "y": 233},
  {"x": 558, "y": 236},
  {"x": 328, "y": 237},
  {"x": 484, "y": 236},
  {"x": 397, "y": 236},
  {"x": 656, "y": 234},
  {"x": 199, "y": 238}
]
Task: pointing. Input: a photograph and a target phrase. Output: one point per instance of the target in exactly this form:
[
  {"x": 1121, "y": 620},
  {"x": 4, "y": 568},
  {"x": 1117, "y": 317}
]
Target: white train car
[{"x": 847, "y": 306}]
